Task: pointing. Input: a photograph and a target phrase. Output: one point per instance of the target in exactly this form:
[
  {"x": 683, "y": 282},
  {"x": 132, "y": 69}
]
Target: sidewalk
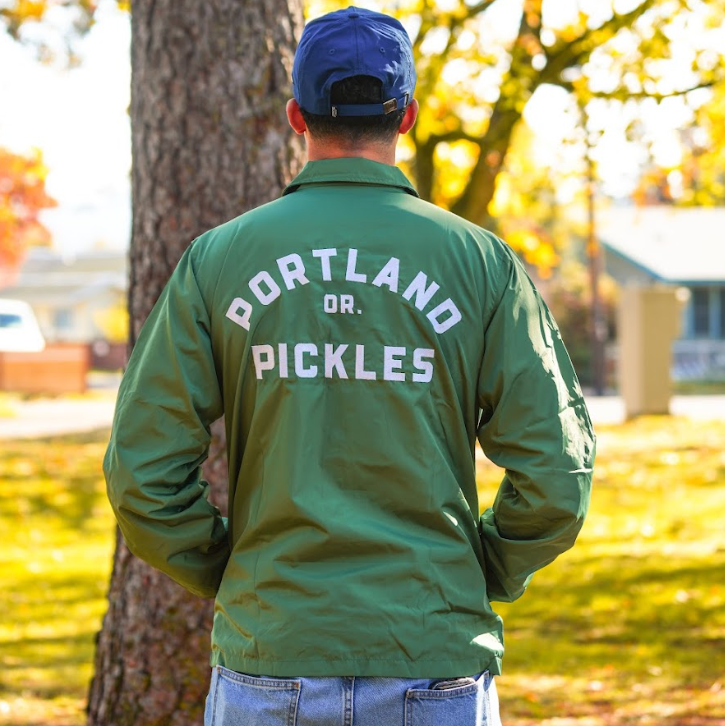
[
  {"x": 42, "y": 417},
  {"x": 610, "y": 409},
  {"x": 37, "y": 418}
]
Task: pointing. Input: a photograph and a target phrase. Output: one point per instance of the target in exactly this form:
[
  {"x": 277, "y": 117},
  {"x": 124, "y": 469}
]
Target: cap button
[{"x": 353, "y": 15}]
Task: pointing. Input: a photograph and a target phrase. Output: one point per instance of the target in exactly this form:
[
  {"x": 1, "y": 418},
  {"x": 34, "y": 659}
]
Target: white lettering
[
  {"x": 263, "y": 356},
  {"x": 418, "y": 288},
  {"x": 300, "y": 350},
  {"x": 292, "y": 268},
  {"x": 329, "y": 303},
  {"x": 283, "y": 362},
  {"x": 266, "y": 278},
  {"x": 454, "y": 317},
  {"x": 360, "y": 372},
  {"x": 347, "y": 302},
  {"x": 308, "y": 362},
  {"x": 351, "y": 275},
  {"x": 333, "y": 360},
  {"x": 424, "y": 366},
  {"x": 324, "y": 256},
  {"x": 389, "y": 274},
  {"x": 420, "y": 292},
  {"x": 392, "y": 364},
  {"x": 238, "y": 304}
]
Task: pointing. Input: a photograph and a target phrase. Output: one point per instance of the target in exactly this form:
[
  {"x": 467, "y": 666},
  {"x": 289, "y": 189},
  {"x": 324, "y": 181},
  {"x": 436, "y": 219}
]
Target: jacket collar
[{"x": 350, "y": 170}]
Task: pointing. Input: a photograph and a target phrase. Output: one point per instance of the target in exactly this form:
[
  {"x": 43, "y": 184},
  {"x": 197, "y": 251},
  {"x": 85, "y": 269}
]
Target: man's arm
[
  {"x": 168, "y": 398},
  {"x": 535, "y": 425}
]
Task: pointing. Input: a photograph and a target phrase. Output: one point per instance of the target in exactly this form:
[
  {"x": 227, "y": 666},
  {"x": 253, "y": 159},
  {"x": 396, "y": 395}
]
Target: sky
[{"x": 79, "y": 119}]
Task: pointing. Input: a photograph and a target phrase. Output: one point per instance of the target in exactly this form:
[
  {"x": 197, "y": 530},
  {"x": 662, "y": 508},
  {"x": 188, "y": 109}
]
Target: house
[
  {"x": 72, "y": 295},
  {"x": 683, "y": 248}
]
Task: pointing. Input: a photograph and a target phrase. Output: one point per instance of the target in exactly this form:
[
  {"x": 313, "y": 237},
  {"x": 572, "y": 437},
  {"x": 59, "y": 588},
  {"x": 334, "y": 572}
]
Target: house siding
[
  {"x": 699, "y": 352},
  {"x": 68, "y": 296}
]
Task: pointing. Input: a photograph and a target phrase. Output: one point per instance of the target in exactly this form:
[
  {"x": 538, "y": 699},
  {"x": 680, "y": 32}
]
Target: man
[{"x": 358, "y": 340}]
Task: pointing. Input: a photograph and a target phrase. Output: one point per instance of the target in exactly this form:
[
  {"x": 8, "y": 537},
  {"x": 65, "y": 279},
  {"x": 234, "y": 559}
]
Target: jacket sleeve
[
  {"x": 535, "y": 425},
  {"x": 168, "y": 398}
]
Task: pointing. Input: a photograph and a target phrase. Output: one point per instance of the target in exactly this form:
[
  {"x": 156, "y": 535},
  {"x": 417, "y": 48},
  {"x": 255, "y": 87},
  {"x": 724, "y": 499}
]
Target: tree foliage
[
  {"x": 51, "y": 26},
  {"x": 113, "y": 322},
  {"x": 22, "y": 198},
  {"x": 475, "y": 86},
  {"x": 569, "y": 295},
  {"x": 480, "y": 62},
  {"x": 698, "y": 179},
  {"x": 703, "y": 164},
  {"x": 526, "y": 206},
  {"x": 19, "y": 12}
]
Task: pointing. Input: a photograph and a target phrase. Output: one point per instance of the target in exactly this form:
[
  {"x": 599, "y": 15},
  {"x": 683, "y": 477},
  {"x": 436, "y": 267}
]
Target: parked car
[{"x": 19, "y": 330}]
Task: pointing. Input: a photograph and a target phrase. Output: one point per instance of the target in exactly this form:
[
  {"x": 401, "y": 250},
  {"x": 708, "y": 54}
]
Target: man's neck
[{"x": 384, "y": 154}]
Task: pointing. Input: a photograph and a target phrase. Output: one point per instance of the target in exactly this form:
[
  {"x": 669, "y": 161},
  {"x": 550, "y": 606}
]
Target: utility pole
[{"x": 597, "y": 321}]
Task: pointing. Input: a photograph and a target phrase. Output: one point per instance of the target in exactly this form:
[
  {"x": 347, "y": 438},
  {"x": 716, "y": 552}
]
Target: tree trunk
[
  {"x": 424, "y": 169},
  {"x": 523, "y": 79},
  {"x": 210, "y": 141},
  {"x": 473, "y": 203}
]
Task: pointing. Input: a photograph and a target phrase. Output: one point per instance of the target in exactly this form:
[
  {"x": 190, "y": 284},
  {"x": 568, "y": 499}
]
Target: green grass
[
  {"x": 626, "y": 628},
  {"x": 699, "y": 388},
  {"x": 57, "y": 531},
  {"x": 629, "y": 626},
  {"x": 8, "y": 405}
]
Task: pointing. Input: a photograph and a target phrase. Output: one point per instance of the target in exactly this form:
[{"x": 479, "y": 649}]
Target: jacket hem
[{"x": 362, "y": 667}]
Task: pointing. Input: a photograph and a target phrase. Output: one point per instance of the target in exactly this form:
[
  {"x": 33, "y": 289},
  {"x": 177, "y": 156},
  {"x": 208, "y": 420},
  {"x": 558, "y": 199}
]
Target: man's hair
[{"x": 355, "y": 129}]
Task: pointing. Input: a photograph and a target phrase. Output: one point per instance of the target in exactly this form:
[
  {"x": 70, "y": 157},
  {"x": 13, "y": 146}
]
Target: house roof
[
  {"x": 674, "y": 245},
  {"x": 51, "y": 278}
]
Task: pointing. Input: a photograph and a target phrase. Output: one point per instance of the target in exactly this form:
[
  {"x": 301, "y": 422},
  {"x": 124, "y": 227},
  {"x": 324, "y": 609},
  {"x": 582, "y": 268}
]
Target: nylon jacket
[{"x": 358, "y": 341}]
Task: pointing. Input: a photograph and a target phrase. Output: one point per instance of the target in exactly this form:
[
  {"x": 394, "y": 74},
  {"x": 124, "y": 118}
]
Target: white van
[{"x": 19, "y": 330}]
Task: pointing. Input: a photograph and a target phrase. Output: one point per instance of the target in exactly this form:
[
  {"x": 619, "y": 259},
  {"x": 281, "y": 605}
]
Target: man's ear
[
  {"x": 294, "y": 116},
  {"x": 411, "y": 113}
]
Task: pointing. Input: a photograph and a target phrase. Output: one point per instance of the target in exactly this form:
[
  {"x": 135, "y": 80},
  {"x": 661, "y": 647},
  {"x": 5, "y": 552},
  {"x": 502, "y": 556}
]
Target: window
[
  {"x": 63, "y": 319},
  {"x": 722, "y": 313},
  {"x": 701, "y": 312},
  {"x": 10, "y": 320}
]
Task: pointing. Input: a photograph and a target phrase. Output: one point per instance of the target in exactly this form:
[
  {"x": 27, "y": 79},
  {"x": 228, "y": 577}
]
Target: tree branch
[
  {"x": 430, "y": 20},
  {"x": 452, "y": 136},
  {"x": 531, "y": 21},
  {"x": 575, "y": 51},
  {"x": 626, "y": 95}
]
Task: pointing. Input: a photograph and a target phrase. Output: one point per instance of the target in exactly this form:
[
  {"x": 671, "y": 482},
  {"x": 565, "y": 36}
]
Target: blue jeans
[{"x": 237, "y": 699}]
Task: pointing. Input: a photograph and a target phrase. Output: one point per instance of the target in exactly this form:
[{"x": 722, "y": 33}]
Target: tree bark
[
  {"x": 424, "y": 169},
  {"x": 473, "y": 203},
  {"x": 210, "y": 140},
  {"x": 507, "y": 112}
]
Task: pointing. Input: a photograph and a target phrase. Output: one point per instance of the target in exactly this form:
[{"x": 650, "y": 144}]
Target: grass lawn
[
  {"x": 57, "y": 541},
  {"x": 627, "y": 628},
  {"x": 7, "y": 405}
]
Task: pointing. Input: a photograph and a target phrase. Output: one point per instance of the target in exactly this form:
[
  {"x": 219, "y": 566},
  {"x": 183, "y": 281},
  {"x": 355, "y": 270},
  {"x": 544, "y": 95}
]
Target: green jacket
[{"x": 358, "y": 341}]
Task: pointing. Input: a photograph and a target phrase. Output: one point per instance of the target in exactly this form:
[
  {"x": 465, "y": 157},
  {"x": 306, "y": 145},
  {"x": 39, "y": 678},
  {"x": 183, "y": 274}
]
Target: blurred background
[
  {"x": 590, "y": 138},
  {"x": 590, "y": 135}
]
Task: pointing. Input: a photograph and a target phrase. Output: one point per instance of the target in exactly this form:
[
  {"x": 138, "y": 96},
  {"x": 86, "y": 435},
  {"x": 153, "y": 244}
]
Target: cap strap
[{"x": 370, "y": 109}]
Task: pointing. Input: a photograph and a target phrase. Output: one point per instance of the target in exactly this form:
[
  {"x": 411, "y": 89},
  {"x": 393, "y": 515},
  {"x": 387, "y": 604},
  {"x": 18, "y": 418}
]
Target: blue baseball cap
[{"x": 353, "y": 42}]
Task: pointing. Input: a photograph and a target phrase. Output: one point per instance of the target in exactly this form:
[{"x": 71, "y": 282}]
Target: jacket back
[{"x": 358, "y": 340}]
